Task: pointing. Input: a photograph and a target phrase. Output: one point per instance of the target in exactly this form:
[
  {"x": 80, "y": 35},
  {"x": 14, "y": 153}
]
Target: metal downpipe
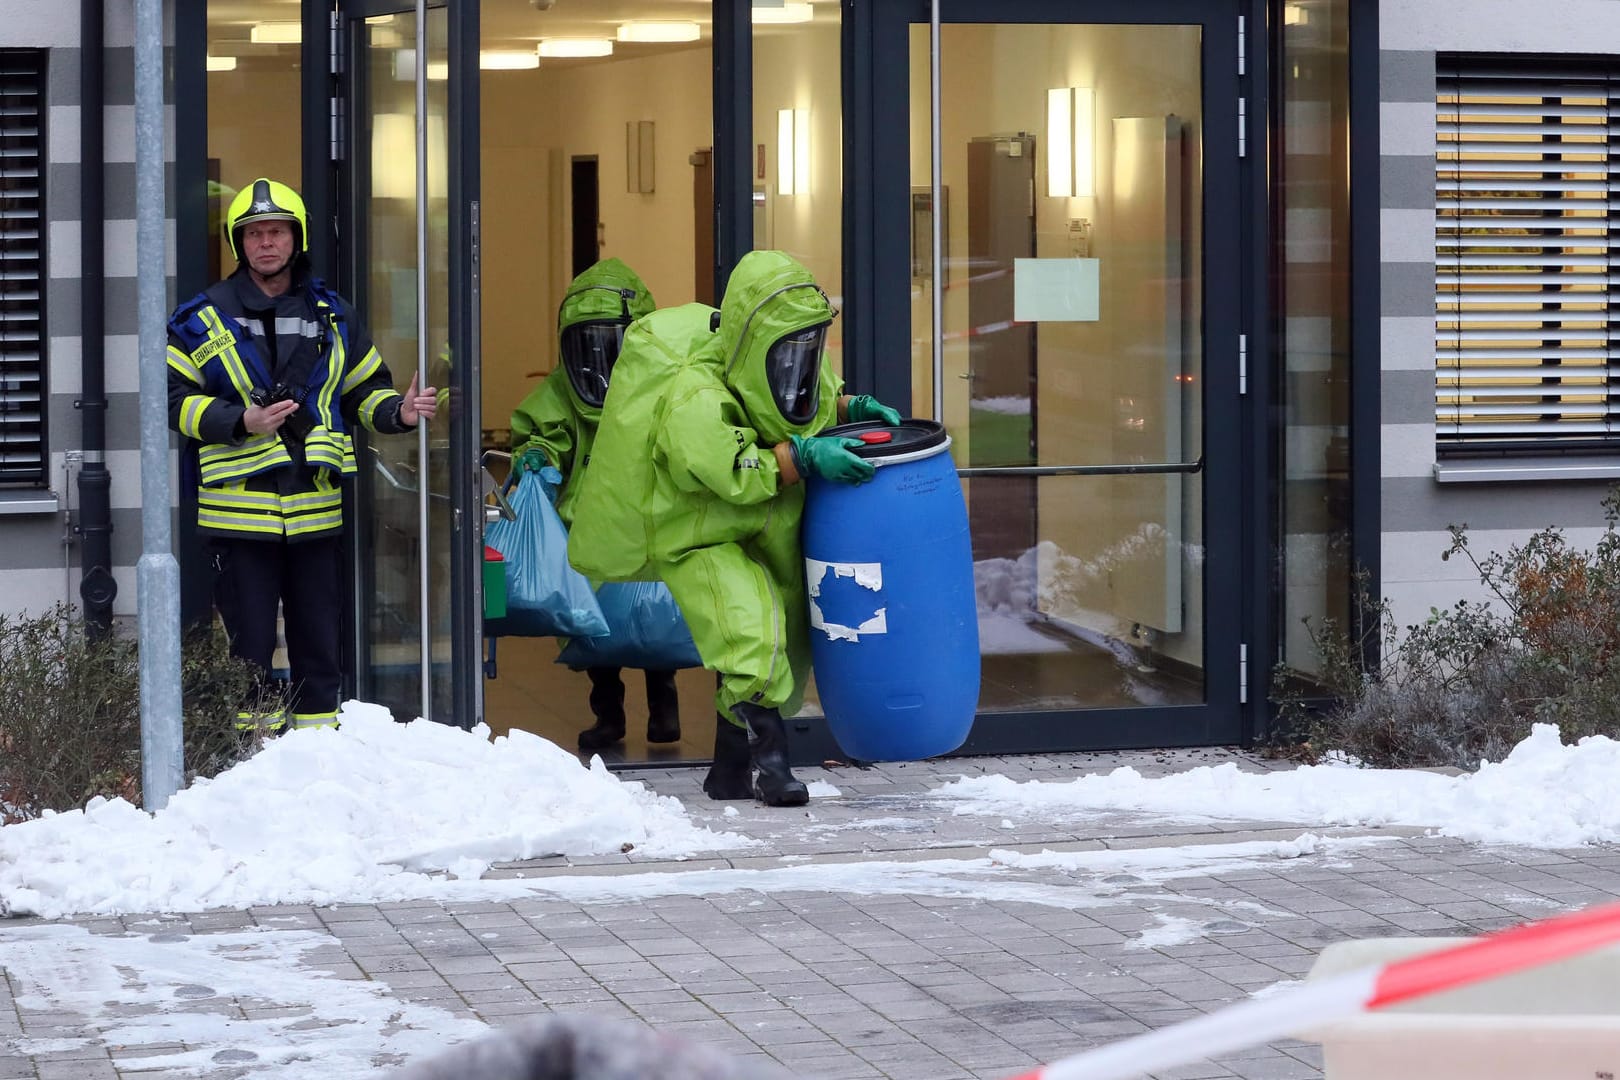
[{"x": 97, "y": 588}]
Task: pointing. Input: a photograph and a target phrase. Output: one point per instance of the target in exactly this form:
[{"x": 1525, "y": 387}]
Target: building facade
[{"x": 1226, "y": 305}]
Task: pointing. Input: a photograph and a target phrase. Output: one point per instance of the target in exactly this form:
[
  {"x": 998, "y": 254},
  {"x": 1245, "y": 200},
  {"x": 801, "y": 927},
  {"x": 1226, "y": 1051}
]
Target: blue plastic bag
[
  {"x": 645, "y": 630},
  {"x": 545, "y": 596}
]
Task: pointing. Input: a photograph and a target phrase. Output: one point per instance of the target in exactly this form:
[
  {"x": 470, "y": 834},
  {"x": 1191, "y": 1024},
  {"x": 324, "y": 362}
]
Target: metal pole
[
  {"x": 423, "y": 478},
  {"x": 936, "y": 183},
  {"x": 157, "y": 575}
]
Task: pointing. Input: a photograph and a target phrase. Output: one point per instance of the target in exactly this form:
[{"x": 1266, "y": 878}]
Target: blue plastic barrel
[{"x": 894, "y": 626}]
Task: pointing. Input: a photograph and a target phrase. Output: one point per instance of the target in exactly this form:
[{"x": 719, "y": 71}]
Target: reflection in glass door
[
  {"x": 392, "y": 547},
  {"x": 1079, "y": 329}
]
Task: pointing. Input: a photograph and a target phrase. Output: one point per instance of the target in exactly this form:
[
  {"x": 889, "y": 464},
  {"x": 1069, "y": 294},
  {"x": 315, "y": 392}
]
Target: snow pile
[
  {"x": 1544, "y": 794},
  {"x": 358, "y": 814}
]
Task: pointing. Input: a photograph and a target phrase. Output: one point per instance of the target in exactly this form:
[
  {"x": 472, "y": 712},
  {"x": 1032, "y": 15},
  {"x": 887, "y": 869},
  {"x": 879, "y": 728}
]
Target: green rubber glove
[
  {"x": 829, "y": 458},
  {"x": 532, "y": 460},
  {"x": 865, "y": 407}
]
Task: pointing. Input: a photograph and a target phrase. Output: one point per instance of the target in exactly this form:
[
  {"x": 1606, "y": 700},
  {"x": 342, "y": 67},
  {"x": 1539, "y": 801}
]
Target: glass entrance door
[
  {"x": 417, "y": 648},
  {"x": 1086, "y": 358}
]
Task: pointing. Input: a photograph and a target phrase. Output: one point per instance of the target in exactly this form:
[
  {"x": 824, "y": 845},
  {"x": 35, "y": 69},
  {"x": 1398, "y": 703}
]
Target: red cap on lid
[{"x": 871, "y": 437}]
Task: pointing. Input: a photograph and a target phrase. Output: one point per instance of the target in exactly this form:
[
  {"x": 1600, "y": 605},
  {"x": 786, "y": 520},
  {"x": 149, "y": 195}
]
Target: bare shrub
[
  {"x": 1468, "y": 682},
  {"x": 70, "y": 721}
]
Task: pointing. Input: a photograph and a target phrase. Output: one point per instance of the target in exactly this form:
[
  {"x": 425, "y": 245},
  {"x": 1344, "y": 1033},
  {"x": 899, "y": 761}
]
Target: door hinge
[
  {"x": 1243, "y": 674},
  {"x": 335, "y": 44},
  {"x": 1243, "y": 127},
  {"x": 1243, "y": 363},
  {"x": 337, "y": 128},
  {"x": 1243, "y": 44}
]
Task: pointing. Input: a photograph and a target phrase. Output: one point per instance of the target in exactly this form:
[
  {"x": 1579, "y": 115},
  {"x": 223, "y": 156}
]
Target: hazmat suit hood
[
  {"x": 598, "y": 305},
  {"x": 770, "y": 348}
]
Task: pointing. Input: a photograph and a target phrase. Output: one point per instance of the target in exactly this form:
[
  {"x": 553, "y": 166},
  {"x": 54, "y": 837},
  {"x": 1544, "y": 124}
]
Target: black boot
[
  {"x": 607, "y": 705},
  {"x": 729, "y": 777},
  {"x": 774, "y": 785},
  {"x": 663, "y": 708}
]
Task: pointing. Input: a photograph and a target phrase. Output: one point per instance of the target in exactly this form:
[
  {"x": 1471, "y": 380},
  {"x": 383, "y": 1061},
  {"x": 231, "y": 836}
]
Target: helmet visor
[
  {"x": 793, "y": 367},
  {"x": 589, "y": 350}
]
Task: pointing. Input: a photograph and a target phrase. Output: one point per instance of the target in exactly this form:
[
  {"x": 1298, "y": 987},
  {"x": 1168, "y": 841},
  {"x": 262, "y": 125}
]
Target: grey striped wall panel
[
  {"x": 36, "y": 568},
  {"x": 1415, "y": 507}
]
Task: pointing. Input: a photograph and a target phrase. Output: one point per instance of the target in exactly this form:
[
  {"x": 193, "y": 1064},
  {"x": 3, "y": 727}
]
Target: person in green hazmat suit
[
  {"x": 695, "y": 481},
  {"x": 556, "y": 425}
]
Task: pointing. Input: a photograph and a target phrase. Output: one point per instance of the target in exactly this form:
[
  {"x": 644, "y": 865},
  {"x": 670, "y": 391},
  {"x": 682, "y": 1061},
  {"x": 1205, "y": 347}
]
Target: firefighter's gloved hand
[
  {"x": 865, "y": 407},
  {"x": 829, "y": 458},
  {"x": 532, "y": 460}
]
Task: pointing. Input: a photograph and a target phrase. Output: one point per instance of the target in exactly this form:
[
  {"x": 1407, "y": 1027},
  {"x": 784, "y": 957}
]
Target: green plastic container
[{"x": 494, "y": 584}]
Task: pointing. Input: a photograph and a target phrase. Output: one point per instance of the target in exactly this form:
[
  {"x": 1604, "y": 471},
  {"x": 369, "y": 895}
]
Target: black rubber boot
[
  {"x": 729, "y": 775},
  {"x": 774, "y": 785},
  {"x": 663, "y": 708},
  {"x": 607, "y": 705}
]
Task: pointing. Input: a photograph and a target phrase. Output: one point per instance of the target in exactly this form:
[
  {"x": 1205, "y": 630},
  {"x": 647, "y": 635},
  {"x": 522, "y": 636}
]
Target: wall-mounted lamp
[
  {"x": 793, "y": 151},
  {"x": 638, "y": 157},
  {"x": 1071, "y": 142}
]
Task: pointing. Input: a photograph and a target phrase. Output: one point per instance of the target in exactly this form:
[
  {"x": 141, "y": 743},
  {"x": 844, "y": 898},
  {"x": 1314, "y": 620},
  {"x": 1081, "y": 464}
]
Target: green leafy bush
[
  {"x": 70, "y": 719},
  {"x": 1466, "y": 684}
]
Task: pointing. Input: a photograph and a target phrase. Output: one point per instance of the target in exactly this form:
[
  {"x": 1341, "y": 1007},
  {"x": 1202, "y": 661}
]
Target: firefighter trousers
[{"x": 306, "y": 581}]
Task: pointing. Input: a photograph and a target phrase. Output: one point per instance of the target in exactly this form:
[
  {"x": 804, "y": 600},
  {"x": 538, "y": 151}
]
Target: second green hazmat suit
[
  {"x": 694, "y": 481},
  {"x": 556, "y": 425}
]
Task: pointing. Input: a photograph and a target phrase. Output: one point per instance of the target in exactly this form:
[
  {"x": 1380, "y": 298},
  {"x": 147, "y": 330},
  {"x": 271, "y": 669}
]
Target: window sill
[
  {"x": 29, "y": 502},
  {"x": 1522, "y": 470}
]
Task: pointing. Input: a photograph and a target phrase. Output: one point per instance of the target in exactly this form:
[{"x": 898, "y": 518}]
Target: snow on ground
[
  {"x": 358, "y": 814},
  {"x": 1544, "y": 794},
  {"x": 378, "y": 811},
  {"x": 241, "y": 1001}
]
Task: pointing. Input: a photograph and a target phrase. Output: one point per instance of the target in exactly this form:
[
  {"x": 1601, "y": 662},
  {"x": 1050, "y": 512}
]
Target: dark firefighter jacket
[{"x": 231, "y": 343}]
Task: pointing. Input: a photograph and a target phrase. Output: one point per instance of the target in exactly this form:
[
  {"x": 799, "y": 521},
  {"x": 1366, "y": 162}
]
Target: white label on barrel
[{"x": 868, "y": 575}]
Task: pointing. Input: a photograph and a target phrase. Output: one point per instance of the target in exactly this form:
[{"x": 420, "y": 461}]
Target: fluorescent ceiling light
[
  {"x": 498, "y": 60},
  {"x": 783, "y": 13},
  {"x": 221, "y": 63},
  {"x": 276, "y": 33},
  {"x": 659, "y": 31},
  {"x": 575, "y": 47}
]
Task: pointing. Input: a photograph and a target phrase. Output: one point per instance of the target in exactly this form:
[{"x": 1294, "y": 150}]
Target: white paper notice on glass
[{"x": 1056, "y": 290}]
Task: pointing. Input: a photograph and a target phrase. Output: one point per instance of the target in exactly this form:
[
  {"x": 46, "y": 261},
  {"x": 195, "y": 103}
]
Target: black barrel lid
[{"x": 882, "y": 441}]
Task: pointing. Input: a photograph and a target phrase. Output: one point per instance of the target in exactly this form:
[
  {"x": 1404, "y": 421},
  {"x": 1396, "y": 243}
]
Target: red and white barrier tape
[{"x": 1251, "y": 1023}]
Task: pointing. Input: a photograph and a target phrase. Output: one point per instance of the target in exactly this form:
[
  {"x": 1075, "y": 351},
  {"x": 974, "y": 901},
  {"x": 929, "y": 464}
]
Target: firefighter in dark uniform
[{"x": 271, "y": 371}]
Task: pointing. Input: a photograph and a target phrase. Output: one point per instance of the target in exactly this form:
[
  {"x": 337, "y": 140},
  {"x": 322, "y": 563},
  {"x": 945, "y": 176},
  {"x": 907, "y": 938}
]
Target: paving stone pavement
[{"x": 956, "y": 971}]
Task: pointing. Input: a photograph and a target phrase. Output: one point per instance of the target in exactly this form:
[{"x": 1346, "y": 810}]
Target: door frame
[
  {"x": 334, "y": 176},
  {"x": 877, "y": 242}
]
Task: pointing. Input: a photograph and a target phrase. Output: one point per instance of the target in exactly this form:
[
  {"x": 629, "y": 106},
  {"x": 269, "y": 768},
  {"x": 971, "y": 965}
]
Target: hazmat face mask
[
  {"x": 793, "y": 368},
  {"x": 589, "y": 350}
]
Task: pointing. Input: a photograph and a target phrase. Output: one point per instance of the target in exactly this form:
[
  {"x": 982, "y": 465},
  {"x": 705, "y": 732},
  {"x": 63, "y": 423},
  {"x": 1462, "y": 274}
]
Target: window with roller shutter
[
  {"x": 1526, "y": 226},
  {"x": 22, "y": 267}
]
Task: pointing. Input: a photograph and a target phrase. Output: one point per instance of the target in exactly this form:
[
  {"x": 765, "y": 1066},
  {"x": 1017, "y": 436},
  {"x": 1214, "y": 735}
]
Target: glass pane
[
  {"x": 1314, "y": 287},
  {"x": 798, "y": 143},
  {"x": 1072, "y": 231},
  {"x": 392, "y": 560},
  {"x": 246, "y": 140},
  {"x": 605, "y": 149}
]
